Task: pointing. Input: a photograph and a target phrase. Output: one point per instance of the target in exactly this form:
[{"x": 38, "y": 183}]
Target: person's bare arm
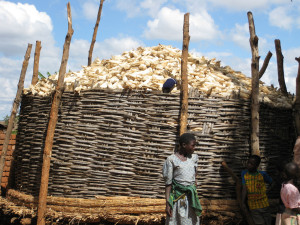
[{"x": 168, "y": 207}]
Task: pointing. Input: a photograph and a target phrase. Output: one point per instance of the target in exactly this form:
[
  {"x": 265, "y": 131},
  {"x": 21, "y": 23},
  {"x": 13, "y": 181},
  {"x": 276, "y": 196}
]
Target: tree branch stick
[
  {"x": 255, "y": 87},
  {"x": 95, "y": 33},
  {"x": 184, "y": 76},
  {"x": 280, "y": 69},
  {"x": 35, "y": 76},
  {"x": 52, "y": 124},
  {"x": 265, "y": 64},
  {"x": 14, "y": 111}
]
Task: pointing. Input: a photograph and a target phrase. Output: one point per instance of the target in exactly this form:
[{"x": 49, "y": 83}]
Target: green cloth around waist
[{"x": 178, "y": 192}]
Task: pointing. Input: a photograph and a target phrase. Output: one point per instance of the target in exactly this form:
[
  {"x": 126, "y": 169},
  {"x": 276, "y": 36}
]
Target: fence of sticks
[{"x": 111, "y": 143}]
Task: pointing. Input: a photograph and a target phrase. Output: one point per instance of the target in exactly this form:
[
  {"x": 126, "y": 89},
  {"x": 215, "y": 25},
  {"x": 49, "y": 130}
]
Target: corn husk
[{"x": 147, "y": 68}]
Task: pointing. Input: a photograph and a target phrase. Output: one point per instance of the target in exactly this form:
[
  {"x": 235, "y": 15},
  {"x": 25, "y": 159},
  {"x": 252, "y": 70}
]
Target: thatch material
[{"x": 121, "y": 209}]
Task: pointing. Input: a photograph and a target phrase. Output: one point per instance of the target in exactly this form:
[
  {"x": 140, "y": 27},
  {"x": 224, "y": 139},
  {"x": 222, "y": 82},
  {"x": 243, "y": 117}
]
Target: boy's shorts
[{"x": 261, "y": 216}]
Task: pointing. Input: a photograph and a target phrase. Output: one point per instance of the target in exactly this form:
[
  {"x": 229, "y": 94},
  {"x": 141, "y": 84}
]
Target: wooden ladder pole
[
  {"x": 280, "y": 69},
  {"x": 184, "y": 77},
  {"x": 255, "y": 87},
  {"x": 52, "y": 124},
  {"x": 95, "y": 33},
  {"x": 35, "y": 75},
  {"x": 14, "y": 109}
]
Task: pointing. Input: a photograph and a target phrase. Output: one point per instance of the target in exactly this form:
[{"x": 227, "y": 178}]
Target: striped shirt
[{"x": 256, "y": 188}]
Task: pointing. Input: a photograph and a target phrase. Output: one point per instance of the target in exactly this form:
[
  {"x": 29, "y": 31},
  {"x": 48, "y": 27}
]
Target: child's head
[
  {"x": 253, "y": 163},
  {"x": 187, "y": 142},
  {"x": 291, "y": 171}
]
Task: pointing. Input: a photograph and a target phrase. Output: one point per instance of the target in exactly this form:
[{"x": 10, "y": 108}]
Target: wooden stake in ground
[
  {"x": 184, "y": 79},
  {"x": 52, "y": 124},
  {"x": 265, "y": 65},
  {"x": 255, "y": 87},
  {"x": 35, "y": 76},
  {"x": 280, "y": 69},
  {"x": 238, "y": 190},
  {"x": 14, "y": 109},
  {"x": 297, "y": 100},
  {"x": 95, "y": 33}
]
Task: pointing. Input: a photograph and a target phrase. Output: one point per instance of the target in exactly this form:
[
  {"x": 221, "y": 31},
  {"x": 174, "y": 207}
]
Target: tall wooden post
[
  {"x": 184, "y": 78},
  {"x": 14, "y": 109},
  {"x": 35, "y": 76},
  {"x": 255, "y": 87},
  {"x": 280, "y": 69},
  {"x": 95, "y": 33},
  {"x": 52, "y": 124},
  {"x": 297, "y": 100}
]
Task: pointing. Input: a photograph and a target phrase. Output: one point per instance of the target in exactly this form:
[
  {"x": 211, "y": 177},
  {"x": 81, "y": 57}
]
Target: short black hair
[
  {"x": 291, "y": 170},
  {"x": 186, "y": 138},
  {"x": 256, "y": 158}
]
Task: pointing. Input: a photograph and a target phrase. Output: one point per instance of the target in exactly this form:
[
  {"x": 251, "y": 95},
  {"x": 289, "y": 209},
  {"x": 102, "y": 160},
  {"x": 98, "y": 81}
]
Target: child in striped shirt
[{"x": 254, "y": 188}]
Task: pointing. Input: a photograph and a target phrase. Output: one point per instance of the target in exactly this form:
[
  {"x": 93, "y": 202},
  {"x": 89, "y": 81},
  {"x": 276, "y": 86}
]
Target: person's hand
[{"x": 168, "y": 210}]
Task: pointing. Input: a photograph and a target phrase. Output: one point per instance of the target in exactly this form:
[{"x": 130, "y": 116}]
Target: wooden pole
[
  {"x": 265, "y": 65},
  {"x": 35, "y": 76},
  {"x": 255, "y": 87},
  {"x": 238, "y": 190},
  {"x": 52, "y": 123},
  {"x": 297, "y": 100},
  {"x": 14, "y": 109},
  {"x": 95, "y": 33},
  {"x": 280, "y": 69},
  {"x": 184, "y": 77}
]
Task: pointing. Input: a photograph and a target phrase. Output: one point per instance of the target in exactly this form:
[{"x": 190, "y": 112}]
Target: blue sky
[{"x": 218, "y": 29}]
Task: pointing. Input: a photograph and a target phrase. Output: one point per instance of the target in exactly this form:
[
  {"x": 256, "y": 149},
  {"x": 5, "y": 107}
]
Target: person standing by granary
[
  {"x": 290, "y": 195},
  {"x": 179, "y": 171},
  {"x": 254, "y": 188}
]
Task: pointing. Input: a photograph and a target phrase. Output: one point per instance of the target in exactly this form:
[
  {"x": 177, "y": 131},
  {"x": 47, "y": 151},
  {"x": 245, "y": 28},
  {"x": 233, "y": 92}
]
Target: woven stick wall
[{"x": 115, "y": 143}]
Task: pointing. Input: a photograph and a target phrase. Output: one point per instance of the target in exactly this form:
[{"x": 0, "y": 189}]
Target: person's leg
[
  {"x": 266, "y": 213},
  {"x": 257, "y": 217}
]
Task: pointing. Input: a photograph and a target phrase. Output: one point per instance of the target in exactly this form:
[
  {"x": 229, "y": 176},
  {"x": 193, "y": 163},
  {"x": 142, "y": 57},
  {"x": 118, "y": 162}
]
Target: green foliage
[
  {"x": 6, "y": 119},
  {"x": 41, "y": 76}
]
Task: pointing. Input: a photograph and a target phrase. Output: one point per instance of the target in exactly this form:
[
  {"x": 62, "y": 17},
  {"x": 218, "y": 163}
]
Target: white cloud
[
  {"x": 240, "y": 36},
  {"x": 21, "y": 24},
  {"x": 153, "y": 7},
  {"x": 169, "y": 22},
  {"x": 90, "y": 10},
  {"x": 281, "y": 17},
  {"x": 103, "y": 50},
  {"x": 239, "y": 5}
]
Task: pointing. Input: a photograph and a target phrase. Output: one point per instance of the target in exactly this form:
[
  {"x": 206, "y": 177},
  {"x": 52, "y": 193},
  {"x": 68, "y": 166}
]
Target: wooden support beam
[
  {"x": 280, "y": 69},
  {"x": 184, "y": 77},
  {"x": 14, "y": 111},
  {"x": 297, "y": 100},
  {"x": 52, "y": 124},
  {"x": 95, "y": 33},
  {"x": 265, "y": 65},
  {"x": 238, "y": 190},
  {"x": 255, "y": 87},
  {"x": 35, "y": 76}
]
